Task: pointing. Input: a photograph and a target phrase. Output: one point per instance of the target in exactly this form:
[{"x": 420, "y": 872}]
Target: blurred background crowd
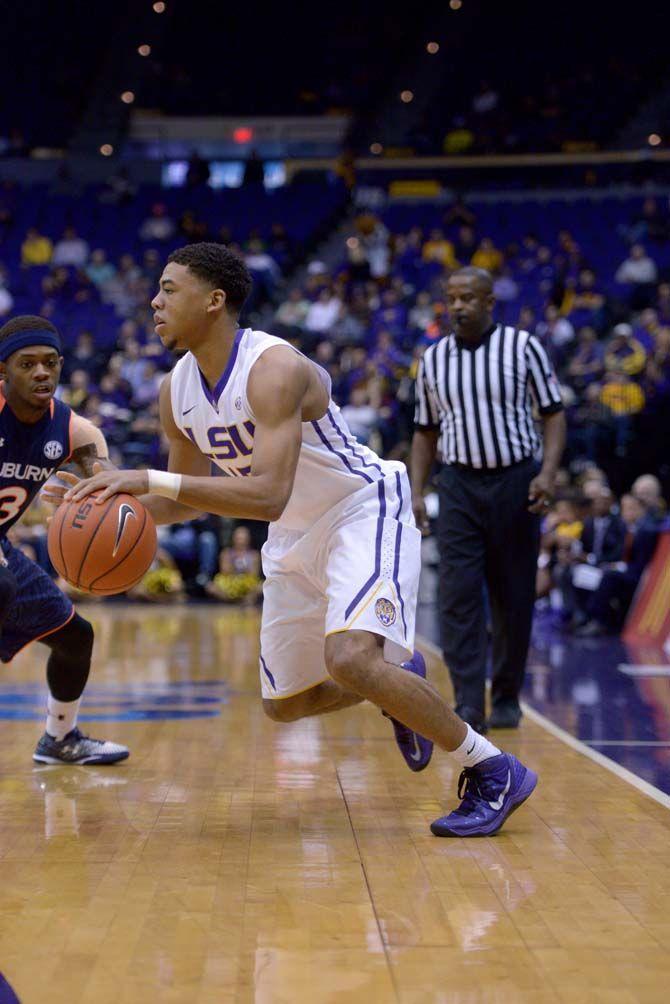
[
  {"x": 593, "y": 281},
  {"x": 329, "y": 184}
]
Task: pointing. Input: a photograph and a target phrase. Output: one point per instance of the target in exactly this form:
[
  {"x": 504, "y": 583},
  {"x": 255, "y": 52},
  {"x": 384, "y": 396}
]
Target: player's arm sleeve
[
  {"x": 543, "y": 383},
  {"x": 426, "y": 411},
  {"x": 88, "y": 446}
]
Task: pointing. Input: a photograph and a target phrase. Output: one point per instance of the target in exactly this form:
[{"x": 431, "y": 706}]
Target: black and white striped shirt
[{"x": 481, "y": 398}]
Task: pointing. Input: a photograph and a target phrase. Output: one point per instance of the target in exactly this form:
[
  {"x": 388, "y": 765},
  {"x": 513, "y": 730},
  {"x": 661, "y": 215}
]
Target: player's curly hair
[
  {"x": 26, "y": 322},
  {"x": 218, "y": 265}
]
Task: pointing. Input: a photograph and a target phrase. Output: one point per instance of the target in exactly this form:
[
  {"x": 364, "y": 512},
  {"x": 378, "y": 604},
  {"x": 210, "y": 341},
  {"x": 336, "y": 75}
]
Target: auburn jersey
[{"x": 29, "y": 455}]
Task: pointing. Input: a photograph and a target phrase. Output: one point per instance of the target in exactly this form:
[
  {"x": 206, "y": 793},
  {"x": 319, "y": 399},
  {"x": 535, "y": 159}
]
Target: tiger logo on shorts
[{"x": 385, "y": 612}]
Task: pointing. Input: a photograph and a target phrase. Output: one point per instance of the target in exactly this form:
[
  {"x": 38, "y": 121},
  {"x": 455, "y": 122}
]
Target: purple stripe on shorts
[
  {"x": 348, "y": 445},
  {"x": 268, "y": 673},
  {"x": 324, "y": 439},
  {"x": 378, "y": 552},
  {"x": 396, "y": 565},
  {"x": 399, "y": 491}
]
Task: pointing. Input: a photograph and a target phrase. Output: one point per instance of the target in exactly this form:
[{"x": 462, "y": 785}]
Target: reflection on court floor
[{"x": 231, "y": 859}]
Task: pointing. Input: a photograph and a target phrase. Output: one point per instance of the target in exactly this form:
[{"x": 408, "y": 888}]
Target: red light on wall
[{"x": 243, "y": 134}]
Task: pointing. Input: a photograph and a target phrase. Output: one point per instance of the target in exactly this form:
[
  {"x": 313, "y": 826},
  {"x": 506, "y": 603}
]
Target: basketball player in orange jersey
[
  {"x": 37, "y": 435},
  {"x": 342, "y": 559}
]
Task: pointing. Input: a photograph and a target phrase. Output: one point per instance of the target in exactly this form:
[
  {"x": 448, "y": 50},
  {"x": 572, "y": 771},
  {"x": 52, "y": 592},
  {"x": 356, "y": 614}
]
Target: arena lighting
[
  {"x": 127, "y": 97},
  {"x": 455, "y": 4},
  {"x": 106, "y": 149},
  {"x": 159, "y": 7},
  {"x": 432, "y": 48},
  {"x": 243, "y": 134},
  {"x": 376, "y": 148},
  {"x": 144, "y": 50},
  {"x": 406, "y": 97},
  {"x": 654, "y": 139}
]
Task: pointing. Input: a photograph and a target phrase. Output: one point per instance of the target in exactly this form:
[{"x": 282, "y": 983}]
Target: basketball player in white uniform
[{"x": 342, "y": 559}]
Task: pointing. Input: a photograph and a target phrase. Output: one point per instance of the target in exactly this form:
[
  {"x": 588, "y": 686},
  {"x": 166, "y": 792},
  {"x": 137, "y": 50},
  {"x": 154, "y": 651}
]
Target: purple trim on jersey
[
  {"x": 268, "y": 673},
  {"x": 214, "y": 395},
  {"x": 349, "y": 445},
  {"x": 381, "y": 490},
  {"x": 329, "y": 446}
]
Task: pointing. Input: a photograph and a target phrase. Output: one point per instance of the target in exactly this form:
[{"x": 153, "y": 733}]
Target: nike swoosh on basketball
[
  {"x": 498, "y": 804},
  {"x": 126, "y": 512},
  {"x": 416, "y": 755},
  {"x": 188, "y": 409}
]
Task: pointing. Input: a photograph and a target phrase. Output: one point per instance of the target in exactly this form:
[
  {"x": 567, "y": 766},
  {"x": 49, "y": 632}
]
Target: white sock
[
  {"x": 474, "y": 749},
  {"x": 61, "y": 717}
]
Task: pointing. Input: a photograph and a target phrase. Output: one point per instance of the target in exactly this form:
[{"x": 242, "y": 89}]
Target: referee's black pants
[{"x": 486, "y": 535}]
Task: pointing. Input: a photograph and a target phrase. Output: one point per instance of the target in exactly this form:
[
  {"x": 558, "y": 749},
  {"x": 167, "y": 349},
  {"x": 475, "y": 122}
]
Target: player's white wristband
[{"x": 164, "y": 483}]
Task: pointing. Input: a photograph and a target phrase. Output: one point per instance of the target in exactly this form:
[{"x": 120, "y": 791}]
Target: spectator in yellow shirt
[
  {"x": 36, "y": 249},
  {"x": 487, "y": 256},
  {"x": 624, "y": 399},
  {"x": 438, "y": 248},
  {"x": 621, "y": 395},
  {"x": 624, "y": 353}
]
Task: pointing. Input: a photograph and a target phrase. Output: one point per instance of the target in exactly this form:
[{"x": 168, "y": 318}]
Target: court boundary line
[{"x": 576, "y": 744}]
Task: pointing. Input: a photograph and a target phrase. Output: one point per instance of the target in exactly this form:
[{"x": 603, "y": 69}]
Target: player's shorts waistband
[{"x": 389, "y": 496}]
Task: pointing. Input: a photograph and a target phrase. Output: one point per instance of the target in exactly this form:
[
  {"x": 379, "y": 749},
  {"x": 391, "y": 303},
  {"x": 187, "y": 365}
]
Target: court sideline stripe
[{"x": 575, "y": 744}]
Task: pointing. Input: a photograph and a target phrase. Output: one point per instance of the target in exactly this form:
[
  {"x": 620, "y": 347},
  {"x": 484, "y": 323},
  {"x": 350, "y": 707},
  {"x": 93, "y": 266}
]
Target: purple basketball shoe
[
  {"x": 416, "y": 750},
  {"x": 490, "y": 793}
]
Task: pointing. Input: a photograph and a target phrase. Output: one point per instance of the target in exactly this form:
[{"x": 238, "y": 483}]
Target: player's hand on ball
[
  {"x": 54, "y": 494},
  {"x": 109, "y": 483}
]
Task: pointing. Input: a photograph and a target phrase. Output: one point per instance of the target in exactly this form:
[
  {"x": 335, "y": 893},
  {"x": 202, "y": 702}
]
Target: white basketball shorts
[{"x": 357, "y": 568}]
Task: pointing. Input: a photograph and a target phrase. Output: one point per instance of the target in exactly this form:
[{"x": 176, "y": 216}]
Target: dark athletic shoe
[
  {"x": 490, "y": 792},
  {"x": 505, "y": 715},
  {"x": 76, "y": 748}
]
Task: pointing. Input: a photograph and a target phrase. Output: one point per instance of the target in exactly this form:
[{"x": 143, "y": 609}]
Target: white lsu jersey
[{"x": 332, "y": 464}]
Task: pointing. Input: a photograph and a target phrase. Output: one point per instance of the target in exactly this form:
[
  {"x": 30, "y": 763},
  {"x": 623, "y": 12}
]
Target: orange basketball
[{"x": 102, "y": 549}]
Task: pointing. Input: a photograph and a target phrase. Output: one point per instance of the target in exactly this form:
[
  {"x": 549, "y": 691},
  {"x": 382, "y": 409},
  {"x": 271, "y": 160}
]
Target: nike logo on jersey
[
  {"x": 126, "y": 512},
  {"x": 189, "y": 409},
  {"x": 498, "y": 804}
]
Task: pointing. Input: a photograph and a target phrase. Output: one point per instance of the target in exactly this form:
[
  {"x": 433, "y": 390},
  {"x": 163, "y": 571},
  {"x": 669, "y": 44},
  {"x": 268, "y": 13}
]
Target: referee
[{"x": 475, "y": 391}]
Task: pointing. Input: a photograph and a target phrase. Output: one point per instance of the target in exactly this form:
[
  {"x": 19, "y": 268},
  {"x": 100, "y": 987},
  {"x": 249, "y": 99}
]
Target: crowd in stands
[
  {"x": 114, "y": 361},
  {"x": 370, "y": 317},
  {"x": 595, "y": 549},
  {"x": 554, "y": 114},
  {"x": 367, "y": 318}
]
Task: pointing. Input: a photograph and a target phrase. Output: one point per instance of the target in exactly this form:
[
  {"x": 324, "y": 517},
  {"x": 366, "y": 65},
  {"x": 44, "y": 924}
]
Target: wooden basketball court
[{"x": 231, "y": 859}]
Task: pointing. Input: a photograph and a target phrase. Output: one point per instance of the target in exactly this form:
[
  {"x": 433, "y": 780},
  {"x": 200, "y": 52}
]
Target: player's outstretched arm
[
  {"x": 184, "y": 457},
  {"x": 88, "y": 447},
  {"x": 88, "y": 453},
  {"x": 277, "y": 386}
]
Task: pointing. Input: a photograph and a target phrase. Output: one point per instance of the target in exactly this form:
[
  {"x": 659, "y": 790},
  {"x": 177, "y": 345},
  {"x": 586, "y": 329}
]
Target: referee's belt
[{"x": 491, "y": 470}]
